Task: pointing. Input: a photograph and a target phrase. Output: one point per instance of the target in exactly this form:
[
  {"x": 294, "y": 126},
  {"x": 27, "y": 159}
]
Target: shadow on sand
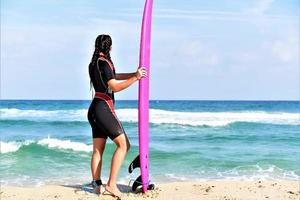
[{"x": 88, "y": 188}]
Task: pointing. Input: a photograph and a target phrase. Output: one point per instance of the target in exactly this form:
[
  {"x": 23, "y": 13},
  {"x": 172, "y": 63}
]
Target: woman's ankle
[
  {"x": 111, "y": 184},
  {"x": 97, "y": 182}
]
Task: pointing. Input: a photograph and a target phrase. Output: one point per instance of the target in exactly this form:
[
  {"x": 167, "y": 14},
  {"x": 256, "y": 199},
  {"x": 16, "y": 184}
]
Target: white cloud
[
  {"x": 286, "y": 50},
  {"x": 198, "y": 53},
  {"x": 215, "y": 15},
  {"x": 261, "y": 6}
]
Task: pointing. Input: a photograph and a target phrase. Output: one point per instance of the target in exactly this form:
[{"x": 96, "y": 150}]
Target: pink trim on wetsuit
[
  {"x": 109, "y": 63},
  {"x": 107, "y": 99}
]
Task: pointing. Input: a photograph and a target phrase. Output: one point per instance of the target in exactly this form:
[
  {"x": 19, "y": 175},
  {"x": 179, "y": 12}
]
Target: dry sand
[{"x": 215, "y": 190}]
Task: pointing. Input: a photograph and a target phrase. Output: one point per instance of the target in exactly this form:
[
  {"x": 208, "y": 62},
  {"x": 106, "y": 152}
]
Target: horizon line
[{"x": 154, "y": 100}]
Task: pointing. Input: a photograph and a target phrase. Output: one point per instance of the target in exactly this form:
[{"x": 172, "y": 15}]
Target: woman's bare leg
[
  {"x": 96, "y": 161},
  {"x": 123, "y": 146}
]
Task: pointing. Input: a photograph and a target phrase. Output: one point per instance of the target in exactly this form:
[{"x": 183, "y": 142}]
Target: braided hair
[{"x": 102, "y": 45}]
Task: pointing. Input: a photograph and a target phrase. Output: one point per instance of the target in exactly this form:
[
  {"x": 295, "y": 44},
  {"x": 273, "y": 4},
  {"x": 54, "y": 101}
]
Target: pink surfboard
[
  {"x": 143, "y": 102},
  {"x": 144, "y": 94}
]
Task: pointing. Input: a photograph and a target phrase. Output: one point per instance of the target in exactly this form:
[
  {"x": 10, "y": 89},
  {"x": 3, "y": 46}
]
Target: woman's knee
[
  {"x": 122, "y": 142},
  {"x": 99, "y": 146},
  {"x": 96, "y": 152},
  {"x": 124, "y": 146}
]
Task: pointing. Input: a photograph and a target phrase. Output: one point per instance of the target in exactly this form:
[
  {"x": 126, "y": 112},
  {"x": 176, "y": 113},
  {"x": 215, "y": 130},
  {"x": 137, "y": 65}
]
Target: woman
[{"x": 101, "y": 114}]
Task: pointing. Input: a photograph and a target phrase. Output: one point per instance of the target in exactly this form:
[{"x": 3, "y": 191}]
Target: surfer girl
[{"x": 101, "y": 114}]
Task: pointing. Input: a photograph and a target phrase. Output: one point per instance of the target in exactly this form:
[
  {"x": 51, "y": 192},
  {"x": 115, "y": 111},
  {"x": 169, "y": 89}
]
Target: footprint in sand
[{"x": 208, "y": 189}]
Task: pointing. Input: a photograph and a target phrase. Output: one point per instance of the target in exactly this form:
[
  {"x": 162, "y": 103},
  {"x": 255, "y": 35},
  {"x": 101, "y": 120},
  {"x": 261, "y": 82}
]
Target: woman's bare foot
[
  {"x": 113, "y": 191},
  {"x": 97, "y": 186},
  {"x": 99, "y": 190}
]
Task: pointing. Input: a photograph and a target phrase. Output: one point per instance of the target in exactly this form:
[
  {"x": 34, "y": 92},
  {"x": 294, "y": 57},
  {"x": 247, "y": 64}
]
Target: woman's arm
[
  {"x": 124, "y": 76},
  {"x": 119, "y": 86}
]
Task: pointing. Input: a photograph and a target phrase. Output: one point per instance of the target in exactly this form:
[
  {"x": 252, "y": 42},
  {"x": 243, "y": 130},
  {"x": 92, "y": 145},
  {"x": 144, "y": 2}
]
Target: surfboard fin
[
  {"x": 134, "y": 164},
  {"x": 138, "y": 184}
]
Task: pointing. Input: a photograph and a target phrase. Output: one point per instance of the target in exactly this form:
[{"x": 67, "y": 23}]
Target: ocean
[{"x": 49, "y": 141}]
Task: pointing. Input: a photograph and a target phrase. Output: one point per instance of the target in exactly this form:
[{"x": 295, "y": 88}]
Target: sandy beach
[{"x": 225, "y": 190}]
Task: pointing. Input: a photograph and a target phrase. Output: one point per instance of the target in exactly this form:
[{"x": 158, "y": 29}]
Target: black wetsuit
[{"x": 101, "y": 114}]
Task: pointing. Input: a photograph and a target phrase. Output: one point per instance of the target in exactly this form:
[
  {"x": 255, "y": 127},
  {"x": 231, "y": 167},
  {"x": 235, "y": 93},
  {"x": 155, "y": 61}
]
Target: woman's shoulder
[
  {"x": 105, "y": 63},
  {"x": 102, "y": 62}
]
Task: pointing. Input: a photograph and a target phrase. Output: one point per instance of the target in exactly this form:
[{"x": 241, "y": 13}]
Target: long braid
[
  {"x": 105, "y": 45},
  {"x": 102, "y": 45}
]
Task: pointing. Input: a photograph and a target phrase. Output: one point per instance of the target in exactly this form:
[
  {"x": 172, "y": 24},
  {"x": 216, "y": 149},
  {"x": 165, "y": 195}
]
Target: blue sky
[{"x": 202, "y": 50}]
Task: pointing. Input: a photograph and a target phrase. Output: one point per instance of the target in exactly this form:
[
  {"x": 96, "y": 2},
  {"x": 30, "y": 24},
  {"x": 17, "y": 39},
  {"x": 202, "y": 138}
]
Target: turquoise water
[{"x": 49, "y": 142}]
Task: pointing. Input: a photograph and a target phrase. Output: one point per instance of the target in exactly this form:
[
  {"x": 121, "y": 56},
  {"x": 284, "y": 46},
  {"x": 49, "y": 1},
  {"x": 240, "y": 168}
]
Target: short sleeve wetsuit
[{"x": 101, "y": 114}]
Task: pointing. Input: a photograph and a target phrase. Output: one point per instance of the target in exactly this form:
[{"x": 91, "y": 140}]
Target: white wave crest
[
  {"x": 6, "y": 147},
  {"x": 65, "y": 144},
  {"x": 210, "y": 118},
  {"x": 13, "y": 146},
  {"x": 43, "y": 115},
  {"x": 158, "y": 116}
]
